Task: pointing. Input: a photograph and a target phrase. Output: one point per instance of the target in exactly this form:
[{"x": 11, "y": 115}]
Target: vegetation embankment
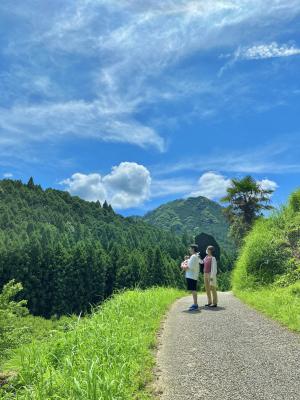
[
  {"x": 107, "y": 355},
  {"x": 267, "y": 273}
]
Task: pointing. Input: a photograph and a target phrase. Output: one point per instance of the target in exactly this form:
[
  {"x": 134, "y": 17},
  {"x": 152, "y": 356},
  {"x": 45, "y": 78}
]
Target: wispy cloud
[
  {"x": 171, "y": 186},
  {"x": 264, "y": 51},
  {"x": 259, "y": 52},
  {"x": 273, "y": 158},
  {"x": 93, "y": 69},
  {"x": 7, "y": 175},
  {"x": 22, "y": 124}
]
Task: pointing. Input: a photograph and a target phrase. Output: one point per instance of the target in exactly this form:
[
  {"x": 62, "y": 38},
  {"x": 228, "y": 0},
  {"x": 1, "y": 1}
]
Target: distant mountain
[{"x": 193, "y": 216}]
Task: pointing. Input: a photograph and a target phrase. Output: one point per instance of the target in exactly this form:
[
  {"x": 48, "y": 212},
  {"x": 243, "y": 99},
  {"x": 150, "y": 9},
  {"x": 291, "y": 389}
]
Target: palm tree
[{"x": 247, "y": 201}]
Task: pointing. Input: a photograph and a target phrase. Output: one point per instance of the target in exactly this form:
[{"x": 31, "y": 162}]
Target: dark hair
[
  {"x": 212, "y": 249},
  {"x": 194, "y": 247}
]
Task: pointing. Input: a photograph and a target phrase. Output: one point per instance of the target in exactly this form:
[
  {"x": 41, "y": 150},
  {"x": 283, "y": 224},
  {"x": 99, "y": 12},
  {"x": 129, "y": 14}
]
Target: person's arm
[{"x": 214, "y": 268}]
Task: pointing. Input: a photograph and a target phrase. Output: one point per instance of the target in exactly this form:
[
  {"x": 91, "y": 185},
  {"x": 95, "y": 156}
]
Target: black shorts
[{"x": 191, "y": 284}]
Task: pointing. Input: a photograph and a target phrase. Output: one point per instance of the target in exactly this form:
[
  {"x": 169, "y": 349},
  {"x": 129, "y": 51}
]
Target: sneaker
[
  {"x": 208, "y": 305},
  {"x": 214, "y": 305},
  {"x": 194, "y": 307}
]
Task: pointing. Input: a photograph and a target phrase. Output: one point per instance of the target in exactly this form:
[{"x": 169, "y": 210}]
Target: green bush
[
  {"x": 294, "y": 201},
  {"x": 291, "y": 277},
  {"x": 263, "y": 257},
  {"x": 10, "y": 312},
  {"x": 17, "y": 327},
  {"x": 224, "y": 281},
  {"x": 267, "y": 273}
]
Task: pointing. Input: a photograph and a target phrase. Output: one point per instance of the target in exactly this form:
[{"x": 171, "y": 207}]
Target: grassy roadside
[
  {"x": 107, "y": 356},
  {"x": 281, "y": 304}
]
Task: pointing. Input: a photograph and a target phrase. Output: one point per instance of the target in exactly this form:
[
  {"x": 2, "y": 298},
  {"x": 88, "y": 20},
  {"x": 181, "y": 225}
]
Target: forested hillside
[
  {"x": 69, "y": 253},
  {"x": 193, "y": 215}
]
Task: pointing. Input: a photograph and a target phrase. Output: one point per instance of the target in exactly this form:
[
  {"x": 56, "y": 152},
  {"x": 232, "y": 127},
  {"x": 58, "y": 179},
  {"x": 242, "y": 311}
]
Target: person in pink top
[{"x": 210, "y": 277}]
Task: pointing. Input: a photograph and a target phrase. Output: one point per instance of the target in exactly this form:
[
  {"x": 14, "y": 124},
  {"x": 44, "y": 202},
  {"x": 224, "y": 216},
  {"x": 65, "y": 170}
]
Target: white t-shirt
[{"x": 194, "y": 267}]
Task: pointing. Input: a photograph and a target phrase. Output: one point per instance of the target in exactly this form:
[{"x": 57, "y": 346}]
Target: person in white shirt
[{"x": 192, "y": 275}]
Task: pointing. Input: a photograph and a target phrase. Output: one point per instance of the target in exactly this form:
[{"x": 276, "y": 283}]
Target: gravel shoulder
[{"x": 231, "y": 352}]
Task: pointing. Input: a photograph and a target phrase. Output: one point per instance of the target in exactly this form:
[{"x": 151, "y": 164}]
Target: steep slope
[{"x": 193, "y": 216}]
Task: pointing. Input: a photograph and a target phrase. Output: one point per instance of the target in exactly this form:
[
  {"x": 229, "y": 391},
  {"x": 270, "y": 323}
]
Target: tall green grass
[
  {"x": 281, "y": 304},
  {"x": 267, "y": 272},
  {"x": 106, "y": 356}
]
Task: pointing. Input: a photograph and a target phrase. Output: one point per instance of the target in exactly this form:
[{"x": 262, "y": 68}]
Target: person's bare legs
[
  {"x": 195, "y": 296},
  {"x": 207, "y": 287}
]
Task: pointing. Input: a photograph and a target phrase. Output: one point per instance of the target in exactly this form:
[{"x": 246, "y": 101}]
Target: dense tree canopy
[{"x": 69, "y": 253}]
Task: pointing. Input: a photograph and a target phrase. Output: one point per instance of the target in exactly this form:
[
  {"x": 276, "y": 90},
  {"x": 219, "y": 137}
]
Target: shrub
[
  {"x": 224, "y": 281},
  {"x": 290, "y": 277},
  {"x": 10, "y": 312},
  {"x": 294, "y": 201},
  {"x": 264, "y": 255}
]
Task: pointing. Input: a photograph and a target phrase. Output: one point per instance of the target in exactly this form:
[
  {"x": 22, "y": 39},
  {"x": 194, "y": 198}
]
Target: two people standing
[{"x": 191, "y": 265}]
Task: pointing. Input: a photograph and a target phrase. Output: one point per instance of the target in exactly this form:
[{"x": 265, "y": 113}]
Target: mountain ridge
[{"x": 193, "y": 215}]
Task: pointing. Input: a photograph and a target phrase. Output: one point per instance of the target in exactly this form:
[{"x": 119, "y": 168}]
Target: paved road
[{"x": 231, "y": 352}]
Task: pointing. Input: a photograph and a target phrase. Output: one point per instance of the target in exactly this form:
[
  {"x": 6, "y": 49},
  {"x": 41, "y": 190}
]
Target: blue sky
[{"x": 141, "y": 102}]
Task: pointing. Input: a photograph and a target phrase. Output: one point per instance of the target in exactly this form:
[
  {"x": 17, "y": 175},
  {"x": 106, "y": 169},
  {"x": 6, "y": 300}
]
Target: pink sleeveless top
[{"x": 207, "y": 264}]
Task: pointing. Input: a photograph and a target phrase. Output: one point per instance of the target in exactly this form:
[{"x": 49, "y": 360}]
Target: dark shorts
[{"x": 191, "y": 284}]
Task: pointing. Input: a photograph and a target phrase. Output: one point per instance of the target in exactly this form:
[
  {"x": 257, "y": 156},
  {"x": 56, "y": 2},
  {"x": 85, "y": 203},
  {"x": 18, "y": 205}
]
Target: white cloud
[
  {"x": 263, "y": 51},
  {"x": 89, "y": 187},
  {"x": 259, "y": 52},
  {"x": 7, "y": 175},
  {"x": 211, "y": 185},
  {"x": 267, "y": 184},
  {"x": 128, "y": 185},
  {"x": 22, "y": 124},
  {"x": 214, "y": 185},
  {"x": 134, "y": 42}
]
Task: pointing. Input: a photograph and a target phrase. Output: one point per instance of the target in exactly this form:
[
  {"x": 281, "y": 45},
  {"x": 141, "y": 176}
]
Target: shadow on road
[{"x": 213, "y": 309}]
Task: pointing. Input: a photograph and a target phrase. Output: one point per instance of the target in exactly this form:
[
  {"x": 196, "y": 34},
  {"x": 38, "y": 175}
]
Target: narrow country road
[{"x": 228, "y": 353}]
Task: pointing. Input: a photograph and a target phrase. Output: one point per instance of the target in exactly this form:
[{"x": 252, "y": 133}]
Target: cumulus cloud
[
  {"x": 89, "y": 187},
  {"x": 214, "y": 185},
  {"x": 211, "y": 185},
  {"x": 126, "y": 186},
  {"x": 267, "y": 184},
  {"x": 129, "y": 185}
]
